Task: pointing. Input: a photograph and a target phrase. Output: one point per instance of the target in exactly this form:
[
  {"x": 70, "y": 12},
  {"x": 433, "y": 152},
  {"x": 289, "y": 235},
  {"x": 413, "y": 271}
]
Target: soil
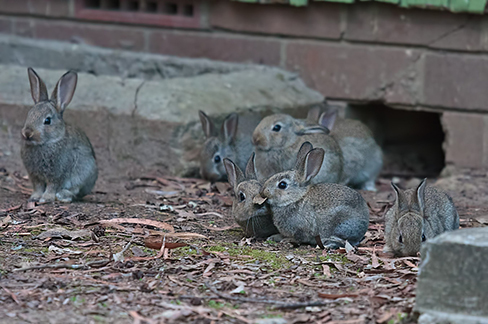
[{"x": 157, "y": 249}]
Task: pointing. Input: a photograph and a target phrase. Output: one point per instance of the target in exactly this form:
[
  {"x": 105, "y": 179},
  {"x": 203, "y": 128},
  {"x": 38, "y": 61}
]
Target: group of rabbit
[{"x": 299, "y": 181}]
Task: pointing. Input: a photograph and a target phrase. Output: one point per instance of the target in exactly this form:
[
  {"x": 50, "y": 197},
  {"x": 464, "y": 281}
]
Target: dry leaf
[{"x": 140, "y": 221}]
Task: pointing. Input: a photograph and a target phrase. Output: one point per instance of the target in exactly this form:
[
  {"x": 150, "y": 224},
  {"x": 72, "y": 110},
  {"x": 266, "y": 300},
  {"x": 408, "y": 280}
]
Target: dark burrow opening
[{"x": 412, "y": 141}]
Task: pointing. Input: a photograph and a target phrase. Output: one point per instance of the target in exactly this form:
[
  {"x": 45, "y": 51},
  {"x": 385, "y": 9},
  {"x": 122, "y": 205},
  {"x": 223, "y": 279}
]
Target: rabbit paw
[
  {"x": 65, "y": 196},
  {"x": 35, "y": 197},
  {"x": 275, "y": 238},
  {"x": 47, "y": 197},
  {"x": 369, "y": 186}
]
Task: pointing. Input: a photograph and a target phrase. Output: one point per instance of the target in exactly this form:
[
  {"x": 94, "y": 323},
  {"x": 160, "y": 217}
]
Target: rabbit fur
[
  {"x": 59, "y": 157},
  {"x": 232, "y": 142},
  {"x": 255, "y": 219},
  {"x": 417, "y": 215},
  {"x": 307, "y": 212},
  {"x": 362, "y": 156},
  {"x": 278, "y": 138}
]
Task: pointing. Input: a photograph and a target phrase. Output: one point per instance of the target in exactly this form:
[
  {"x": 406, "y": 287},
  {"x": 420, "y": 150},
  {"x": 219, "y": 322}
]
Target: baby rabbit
[
  {"x": 233, "y": 142},
  {"x": 277, "y": 139},
  {"x": 306, "y": 212},
  {"x": 254, "y": 219},
  {"x": 416, "y": 216},
  {"x": 58, "y": 157},
  {"x": 363, "y": 158}
]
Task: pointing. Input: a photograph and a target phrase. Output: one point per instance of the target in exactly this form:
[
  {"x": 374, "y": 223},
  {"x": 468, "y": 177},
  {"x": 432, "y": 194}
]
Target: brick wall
[{"x": 410, "y": 59}]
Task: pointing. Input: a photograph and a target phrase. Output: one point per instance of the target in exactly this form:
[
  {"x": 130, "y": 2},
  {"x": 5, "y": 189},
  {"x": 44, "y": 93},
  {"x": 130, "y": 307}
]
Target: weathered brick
[
  {"x": 93, "y": 34},
  {"x": 464, "y": 139},
  {"x": 321, "y": 20},
  {"x": 352, "y": 72},
  {"x": 216, "y": 47},
  {"x": 23, "y": 27},
  {"x": 456, "y": 81},
  {"x": 54, "y": 8},
  {"x": 390, "y": 24},
  {"x": 5, "y": 25}
]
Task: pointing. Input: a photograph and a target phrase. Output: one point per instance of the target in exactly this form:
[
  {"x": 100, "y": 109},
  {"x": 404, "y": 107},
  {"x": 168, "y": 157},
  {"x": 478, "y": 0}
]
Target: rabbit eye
[
  {"x": 47, "y": 121},
  {"x": 242, "y": 197},
  {"x": 217, "y": 159},
  {"x": 282, "y": 185},
  {"x": 400, "y": 239},
  {"x": 423, "y": 238},
  {"x": 276, "y": 128}
]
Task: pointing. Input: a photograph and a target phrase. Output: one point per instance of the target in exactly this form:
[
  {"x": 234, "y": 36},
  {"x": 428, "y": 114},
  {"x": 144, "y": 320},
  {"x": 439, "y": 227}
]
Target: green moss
[{"x": 273, "y": 260}]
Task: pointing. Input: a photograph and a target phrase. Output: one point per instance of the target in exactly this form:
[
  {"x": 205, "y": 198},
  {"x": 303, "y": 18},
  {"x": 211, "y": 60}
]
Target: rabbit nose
[{"x": 27, "y": 134}]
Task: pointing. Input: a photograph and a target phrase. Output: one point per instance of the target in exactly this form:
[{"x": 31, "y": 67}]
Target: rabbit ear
[
  {"x": 229, "y": 127},
  {"x": 302, "y": 152},
  {"x": 311, "y": 129},
  {"x": 400, "y": 197},
  {"x": 327, "y": 119},
  {"x": 313, "y": 115},
  {"x": 420, "y": 196},
  {"x": 250, "y": 168},
  {"x": 207, "y": 125},
  {"x": 64, "y": 90},
  {"x": 311, "y": 165},
  {"x": 234, "y": 174},
  {"x": 38, "y": 87}
]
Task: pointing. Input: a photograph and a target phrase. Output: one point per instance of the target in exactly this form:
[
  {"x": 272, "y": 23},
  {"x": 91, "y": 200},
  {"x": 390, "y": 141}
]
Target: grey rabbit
[
  {"x": 59, "y": 157},
  {"x": 278, "y": 138},
  {"x": 362, "y": 156},
  {"x": 305, "y": 212},
  {"x": 233, "y": 142},
  {"x": 255, "y": 219},
  {"x": 416, "y": 216}
]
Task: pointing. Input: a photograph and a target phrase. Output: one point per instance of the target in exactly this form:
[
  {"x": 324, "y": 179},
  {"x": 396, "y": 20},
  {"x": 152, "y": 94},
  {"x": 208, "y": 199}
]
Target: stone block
[
  {"x": 51, "y": 8},
  {"x": 452, "y": 284},
  {"x": 318, "y": 20}
]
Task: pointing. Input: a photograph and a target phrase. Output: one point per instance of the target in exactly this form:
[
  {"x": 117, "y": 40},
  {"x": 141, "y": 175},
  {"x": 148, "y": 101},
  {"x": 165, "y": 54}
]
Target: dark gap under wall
[{"x": 412, "y": 141}]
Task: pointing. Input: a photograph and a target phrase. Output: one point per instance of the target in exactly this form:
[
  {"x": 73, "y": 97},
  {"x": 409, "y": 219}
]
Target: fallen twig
[{"x": 98, "y": 263}]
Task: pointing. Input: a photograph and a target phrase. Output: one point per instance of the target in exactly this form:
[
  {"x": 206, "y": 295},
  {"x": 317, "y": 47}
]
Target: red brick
[
  {"x": 216, "y": 47},
  {"x": 456, "y": 81},
  {"x": 5, "y": 25},
  {"x": 352, "y": 72},
  {"x": 464, "y": 140},
  {"x": 321, "y": 20},
  {"x": 385, "y": 23},
  {"x": 23, "y": 27},
  {"x": 54, "y": 8},
  {"x": 93, "y": 34}
]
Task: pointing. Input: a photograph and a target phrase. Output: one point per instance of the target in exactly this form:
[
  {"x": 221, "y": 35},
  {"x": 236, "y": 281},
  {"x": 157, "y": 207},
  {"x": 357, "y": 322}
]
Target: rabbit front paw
[
  {"x": 47, "y": 198},
  {"x": 65, "y": 196}
]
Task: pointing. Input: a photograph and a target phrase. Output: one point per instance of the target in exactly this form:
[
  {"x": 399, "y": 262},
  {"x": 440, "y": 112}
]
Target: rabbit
[
  {"x": 59, "y": 157},
  {"x": 362, "y": 156},
  {"x": 277, "y": 139},
  {"x": 305, "y": 212},
  {"x": 417, "y": 215},
  {"x": 233, "y": 142},
  {"x": 254, "y": 219}
]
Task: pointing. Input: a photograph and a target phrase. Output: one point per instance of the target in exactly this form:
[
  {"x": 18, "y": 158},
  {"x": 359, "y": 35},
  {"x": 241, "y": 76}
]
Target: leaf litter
[{"x": 162, "y": 249}]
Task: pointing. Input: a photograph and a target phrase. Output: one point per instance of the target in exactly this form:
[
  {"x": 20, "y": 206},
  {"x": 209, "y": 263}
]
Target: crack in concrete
[
  {"x": 448, "y": 33},
  {"x": 135, "y": 98}
]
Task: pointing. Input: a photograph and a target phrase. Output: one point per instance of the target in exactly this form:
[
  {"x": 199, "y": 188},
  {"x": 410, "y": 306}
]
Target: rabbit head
[
  {"x": 217, "y": 146},
  {"x": 44, "y": 123},
  {"x": 288, "y": 187},
  {"x": 280, "y": 131},
  {"x": 255, "y": 219},
  {"x": 407, "y": 232}
]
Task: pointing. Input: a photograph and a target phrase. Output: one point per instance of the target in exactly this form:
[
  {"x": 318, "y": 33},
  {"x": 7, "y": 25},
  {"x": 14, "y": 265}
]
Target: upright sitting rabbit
[
  {"x": 253, "y": 218},
  {"x": 278, "y": 138},
  {"x": 58, "y": 157},
  {"x": 305, "y": 212},
  {"x": 233, "y": 142},
  {"x": 363, "y": 158},
  {"x": 417, "y": 215}
]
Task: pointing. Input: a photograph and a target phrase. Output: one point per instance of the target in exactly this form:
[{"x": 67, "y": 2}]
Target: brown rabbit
[
  {"x": 278, "y": 138},
  {"x": 416, "y": 216},
  {"x": 305, "y": 212},
  {"x": 58, "y": 157},
  {"x": 363, "y": 158},
  {"x": 233, "y": 142},
  {"x": 253, "y": 218}
]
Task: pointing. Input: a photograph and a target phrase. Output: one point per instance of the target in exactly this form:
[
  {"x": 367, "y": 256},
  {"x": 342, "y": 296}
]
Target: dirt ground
[{"x": 150, "y": 248}]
